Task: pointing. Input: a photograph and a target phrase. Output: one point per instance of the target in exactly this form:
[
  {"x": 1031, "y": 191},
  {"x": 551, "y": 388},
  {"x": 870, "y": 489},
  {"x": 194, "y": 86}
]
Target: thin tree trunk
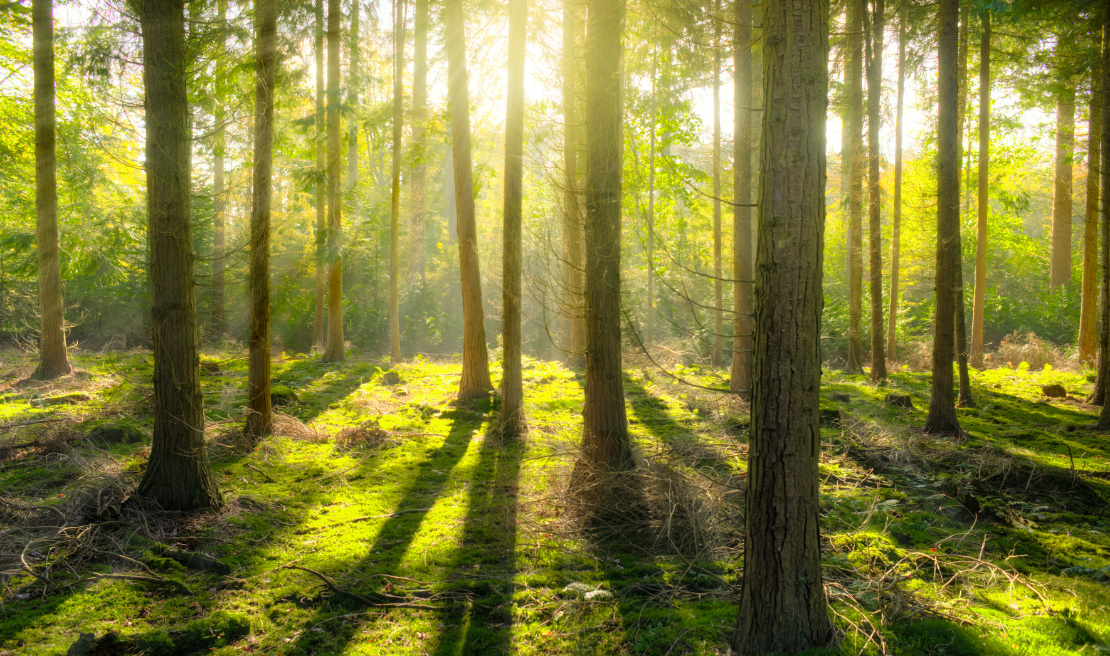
[
  {"x": 874, "y": 193},
  {"x": 855, "y": 183},
  {"x": 395, "y": 206},
  {"x": 419, "y": 118},
  {"x": 1104, "y": 336},
  {"x": 606, "y": 444},
  {"x": 260, "y": 417},
  {"x": 334, "y": 351},
  {"x": 782, "y": 599},
  {"x": 650, "y": 327},
  {"x": 219, "y": 189},
  {"x": 964, "y": 399},
  {"x": 178, "y": 476},
  {"x": 718, "y": 300},
  {"x": 53, "y": 358},
  {"x": 573, "y": 303},
  {"x": 321, "y": 186},
  {"x": 984, "y": 208},
  {"x": 1061, "y": 197},
  {"x": 353, "y": 81},
  {"x": 896, "y": 215},
  {"x": 740, "y": 378},
  {"x": 512, "y": 386},
  {"x": 942, "y": 407},
  {"x": 475, "y": 366}
]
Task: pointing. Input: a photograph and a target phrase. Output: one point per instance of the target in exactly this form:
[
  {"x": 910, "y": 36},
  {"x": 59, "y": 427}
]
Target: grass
[{"x": 476, "y": 535}]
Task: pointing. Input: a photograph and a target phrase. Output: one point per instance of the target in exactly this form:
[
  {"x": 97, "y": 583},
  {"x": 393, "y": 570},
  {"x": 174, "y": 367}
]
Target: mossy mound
[
  {"x": 108, "y": 434},
  {"x": 282, "y": 395}
]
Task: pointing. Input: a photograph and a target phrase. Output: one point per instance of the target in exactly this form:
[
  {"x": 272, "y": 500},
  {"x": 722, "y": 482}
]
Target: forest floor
[{"x": 386, "y": 517}]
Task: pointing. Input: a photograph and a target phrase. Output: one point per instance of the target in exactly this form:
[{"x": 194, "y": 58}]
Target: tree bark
[
  {"x": 855, "y": 183},
  {"x": 178, "y": 476},
  {"x": 395, "y": 205},
  {"x": 353, "y": 81},
  {"x": 475, "y": 367},
  {"x": 1103, "y": 381},
  {"x": 1061, "y": 197},
  {"x": 782, "y": 599},
  {"x": 512, "y": 386},
  {"x": 652, "y": 144},
  {"x": 260, "y": 417},
  {"x": 219, "y": 189},
  {"x": 718, "y": 300},
  {"x": 874, "y": 192},
  {"x": 53, "y": 358},
  {"x": 740, "y": 378},
  {"x": 1088, "y": 349},
  {"x": 321, "y": 186},
  {"x": 984, "y": 207},
  {"x": 959, "y": 319},
  {"x": 335, "y": 350},
  {"x": 573, "y": 267},
  {"x": 896, "y": 215},
  {"x": 942, "y": 408},
  {"x": 419, "y": 118},
  {"x": 606, "y": 444}
]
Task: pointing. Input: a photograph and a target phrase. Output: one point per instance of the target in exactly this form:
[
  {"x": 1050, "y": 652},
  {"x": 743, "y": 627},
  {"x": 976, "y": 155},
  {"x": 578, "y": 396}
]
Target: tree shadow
[{"x": 314, "y": 402}]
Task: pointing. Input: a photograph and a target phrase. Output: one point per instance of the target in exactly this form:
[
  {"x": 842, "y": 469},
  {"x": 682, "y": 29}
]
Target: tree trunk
[
  {"x": 395, "y": 206},
  {"x": 874, "y": 192},
  {"x": 573, "y": 285},
  {"x": 53, "y": 359},
  {"x": 260, "y": 417},
  {"x": 718, "y": 301},
  {"x": 1103, "y": 381},
  {"x": 782, "y": 599},
  {"x": 353, "y": 82},
  {"x": 740, "y": 378},
  {"x": 984, "y": 207},
  {"x": 855, "y": 183},
  {"x": 606, "y": 444},
  {"x": 475, "y": 367},
  {"x": 219, "y": 189},
  {"x": 512, "y": 386},
  {"x": 177, "y": 476},
  {"x": 334, "y": 351},
  {"x": 896, "y": 215},
  {"x": 965, "y": 400},
  {"x": 942, "y": 407},
  {"x": 1061, "y": 197},
  {"x": 652, "y": 144},
  {"x": 321, "y": 187},
  {"x": 419, "y": 168},
  {"x": 1088, "y": 306}
]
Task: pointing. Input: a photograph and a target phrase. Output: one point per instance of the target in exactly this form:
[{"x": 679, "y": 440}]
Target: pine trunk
[
  {"x": 718, "y": 272},
  {"x": 650, "y": 322},
  {"x": 335, "y": 350},
  {"x": 395, "y": 204},
  {"x": 353, "y": 82},
  {"x": 855, "y": 183},
  {"x": 419, "y": 168},
  {"x": 219, "y": 191},
  {"x": 782, "y": 599},
  {"x": 977, "y": 313},
  {"x": 574, "y": 324},
  {"x": 1088, "y": 349},
  {"x": 964, "y": 399},
  {"x": 740, "y": 378},
  {"x": 178, "y": 476},
  {"x": 475, "y": 367},
  {"x": 321, "y": 186},
  {"x": 1103, "y": 381},
  {"x": 874, "y": 192},
  {"x": 896, "y": 215},
  {"x": 1061, "y": 197}
]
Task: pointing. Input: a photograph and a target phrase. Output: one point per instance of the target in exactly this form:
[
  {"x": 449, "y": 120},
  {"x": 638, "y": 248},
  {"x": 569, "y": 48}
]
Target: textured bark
[
  {"x": 650, "y": 323},
  {"x": 942, "y": 407},
  {"x": 718, "y": 301},
  {"x": 782, "y": 599},
  {"x": 1060, "y": 273},
  {"x": 1103, "y": 381},
  {"x": 395, "y": 204},
  {"x": 260, "y": 417},
  {"x": 606, "y": 444},
  {"x": 475, "y": 366},
  {"x": 177, "y": 476},
  {"x": 219, "y": 190},
  {"x": 353, "y": 82},
  {"x": 418, "y": 118},
  {"x": 896, "y": 214},
  {"x": 874, "y": 192},
  {"x": 53, "y": 359},
  {"x": 573, "y": 267},
  {"x": 321, "y": 186},
  {"x": 984, "y": 207},
  {"x": 334, "y": 351},
  {"x": 512, "y": 386},
  {"x": 1088, "y": 348},
  {"x": 740, "y": 378},
  {"x": 964, "y": 399},
  {"x": 856, "y": 160}
]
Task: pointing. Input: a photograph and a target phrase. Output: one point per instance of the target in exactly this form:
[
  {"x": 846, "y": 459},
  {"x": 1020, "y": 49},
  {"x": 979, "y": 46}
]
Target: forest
[{"x": 645, "y": 327}]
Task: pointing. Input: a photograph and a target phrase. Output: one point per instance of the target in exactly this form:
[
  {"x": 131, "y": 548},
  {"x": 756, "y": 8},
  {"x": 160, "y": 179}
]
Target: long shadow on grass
[{"x": 315, "y": 402}]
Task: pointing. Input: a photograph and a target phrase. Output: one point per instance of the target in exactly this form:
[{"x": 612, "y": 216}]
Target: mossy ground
[{"x": 488, "y": 543}]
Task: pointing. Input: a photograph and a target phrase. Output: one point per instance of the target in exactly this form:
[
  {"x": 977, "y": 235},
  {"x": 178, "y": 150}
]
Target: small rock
[
  {"x": 1054, "y": 391},
  {"x": 282, "y": 395},
  {"x": 391, "y": 378},
  {"x": 841, "y": 397},
  {"x": 74, "y": 397},
  {"x": 899, "y": 400},
  {"x": 597, "y": 594}
]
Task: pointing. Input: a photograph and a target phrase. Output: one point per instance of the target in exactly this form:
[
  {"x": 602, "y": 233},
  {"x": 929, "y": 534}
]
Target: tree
[
  {"x": 958, "y": 318},
  {"x": 942, "y": 407},
  {"x": 260, "y": 416},
  {"x": 718, "y": 303},
  {"x": 512, "y": 386},
  {"x": 321, "y": 186},
  {"x": 334, "y": 350},
  {"x": 177, "y": 476},
  {"x": 419, "y": 118},
  {"x": 1089, "y": 296},
  {"x": 395, "y": 205},
  {"x": 984, "y": 206},
  {"x": 652, "y": 144},
  {"x": 740, "y": 378},
  {"x": 219, "y": 191},
  {"x": 896, "y": 215},
  {"x": 1104, "y": 337},
  {"x": 353, "y": 81},
  {"x": 1060, "y": 272},
  {"x": 874, "y": 194},
  {"x": 475, "y": 380},
  {"x": 856, "y": 156},
  {"x": 782, "y": 599},
  {"x": 53, "y": 359},
  {"x": 573, "y": 303},
  {"x": 605, "y": 443}
]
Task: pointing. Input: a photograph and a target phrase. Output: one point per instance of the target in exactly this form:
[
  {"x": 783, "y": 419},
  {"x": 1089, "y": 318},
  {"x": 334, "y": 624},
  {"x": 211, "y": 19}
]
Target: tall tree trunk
[
  {"x": 573, "y": 285},
  {"x": 1087, "y": 340},
  {"x": 942, "y": 407},
  {"x": 395, "y": 206},
  {"x": 512, "y": 386},
  {"x": 178, "y": 476},
  {"x": 354, "y": 79},
  {"x": 475, "y": 367},
  {"x": 782, "y": 599},
  {"x": 321, "y": 186},
  {"x": 219, "y": 188},
  {"x": 855, "y": 183},
  {"x": 1061, "y": 197},
  {"x": 874, "y": 191},
  {"x": 1104, "y": 334},
  {"x": 260, "y": 418},
  {"x": 718, "y": 301},
  {"x": 740, "y": 378},
  {"x": 606, "y": 444},
  {"x": 53, "y": 359},
  {"x": 964, "y": 400},
  {"x": 652, "y": 139},
  {"x": 896, "y": 215},
  {"x": 419, "y": 118},
  {"x": 984, "y": 207},
  {"x": 334, "y": 351}
]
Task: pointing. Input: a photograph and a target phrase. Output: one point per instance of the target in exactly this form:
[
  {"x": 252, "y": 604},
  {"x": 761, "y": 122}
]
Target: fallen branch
[
  {"x": 145, "y": 579},
  {"x": 357, "y": 597}
]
